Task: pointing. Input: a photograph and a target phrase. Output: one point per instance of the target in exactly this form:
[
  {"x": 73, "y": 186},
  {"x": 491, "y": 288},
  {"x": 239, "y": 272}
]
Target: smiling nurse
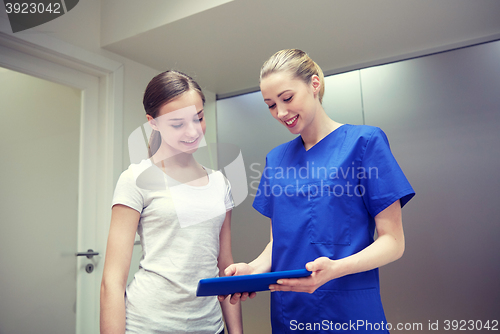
[{"x": 327, "y": 223}]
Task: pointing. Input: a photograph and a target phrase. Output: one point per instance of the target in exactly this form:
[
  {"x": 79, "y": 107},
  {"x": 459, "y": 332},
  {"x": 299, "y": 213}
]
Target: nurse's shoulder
[
  {"x": 363, "y": 134},
  {"x": 363, "y": 130}
]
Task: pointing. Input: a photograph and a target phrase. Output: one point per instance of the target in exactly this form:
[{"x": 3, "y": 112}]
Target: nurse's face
[
  {"x": 181, "y": 123},
  {"x": 290, "y": 100}
]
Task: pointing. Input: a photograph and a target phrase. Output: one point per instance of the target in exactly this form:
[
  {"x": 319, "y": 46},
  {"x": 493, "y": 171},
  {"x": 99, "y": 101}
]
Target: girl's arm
[
  {"x": 124, "y": 221},
  {"x": 388, "y": 247},
  {"x": 232, "y": 313}
]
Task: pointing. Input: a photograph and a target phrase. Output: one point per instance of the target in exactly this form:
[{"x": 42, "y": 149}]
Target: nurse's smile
[{"x": 291, "y": 122}]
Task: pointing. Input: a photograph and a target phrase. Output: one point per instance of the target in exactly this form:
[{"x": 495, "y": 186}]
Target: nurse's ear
[{"x": 316, "y": 85}]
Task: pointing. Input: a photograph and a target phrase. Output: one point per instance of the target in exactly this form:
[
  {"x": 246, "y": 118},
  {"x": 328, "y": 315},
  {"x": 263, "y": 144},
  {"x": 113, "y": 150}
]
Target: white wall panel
[
  {"x": 245, "y": 121},
  {"x": 342, "y": 99}
]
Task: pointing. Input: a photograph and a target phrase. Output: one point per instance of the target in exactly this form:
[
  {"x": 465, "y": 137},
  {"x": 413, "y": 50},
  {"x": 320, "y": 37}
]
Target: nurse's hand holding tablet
[
  {"x": 316, "y": 274},
  {"x": 241, "y": 283},
  {"x": 326, "y": 192}
]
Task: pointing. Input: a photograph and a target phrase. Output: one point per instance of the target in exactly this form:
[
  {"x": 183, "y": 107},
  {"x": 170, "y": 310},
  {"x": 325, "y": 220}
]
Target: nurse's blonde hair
[{"x": 296, "y": 62}]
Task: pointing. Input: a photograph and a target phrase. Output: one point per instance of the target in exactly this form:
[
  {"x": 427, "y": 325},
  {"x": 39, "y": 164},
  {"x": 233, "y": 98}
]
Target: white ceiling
[{"x": 223, "y": 43}]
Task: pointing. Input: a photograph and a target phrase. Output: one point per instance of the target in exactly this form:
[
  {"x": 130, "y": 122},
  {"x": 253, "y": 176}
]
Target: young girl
[
  {"x": 341, "y": 183},
  {"x": 182, "y": 213}
]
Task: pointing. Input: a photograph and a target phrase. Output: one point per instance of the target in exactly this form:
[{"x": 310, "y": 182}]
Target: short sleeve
[
  {"x": 383, "y": 181},
  {"x": 127, "y": 192},
  {"x": 228, "y": 196},
  {"x": 262, "y": 201}
]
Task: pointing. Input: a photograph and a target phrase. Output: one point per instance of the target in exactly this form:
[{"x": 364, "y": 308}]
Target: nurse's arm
[
  {"x": 388, "y": 247},
  {"x": 262, "y": 264}
]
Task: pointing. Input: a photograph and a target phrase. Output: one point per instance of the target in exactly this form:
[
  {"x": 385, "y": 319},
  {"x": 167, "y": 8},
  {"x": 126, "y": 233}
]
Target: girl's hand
[
  {"x": 323, "y": 270},
  {"x": 236, "y": 270}
]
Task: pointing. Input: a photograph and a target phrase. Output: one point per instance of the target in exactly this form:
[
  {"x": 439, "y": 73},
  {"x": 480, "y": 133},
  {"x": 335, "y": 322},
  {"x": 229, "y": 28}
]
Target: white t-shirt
[{"x": 179, "y": 230}]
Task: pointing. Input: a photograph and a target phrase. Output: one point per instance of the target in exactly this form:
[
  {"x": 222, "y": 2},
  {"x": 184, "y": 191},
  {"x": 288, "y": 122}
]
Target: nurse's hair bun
[{"x": 296, "y": 62}]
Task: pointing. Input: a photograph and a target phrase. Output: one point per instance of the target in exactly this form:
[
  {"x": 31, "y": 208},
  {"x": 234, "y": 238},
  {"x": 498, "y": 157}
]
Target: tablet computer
[{"x": 244, "y": 283}]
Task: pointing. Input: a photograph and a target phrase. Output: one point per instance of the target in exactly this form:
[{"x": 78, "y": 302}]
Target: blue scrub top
[{"x": 322, "y": 202}]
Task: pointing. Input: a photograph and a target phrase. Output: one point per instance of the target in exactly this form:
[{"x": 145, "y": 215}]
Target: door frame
[{"x": 101, "y": 141}]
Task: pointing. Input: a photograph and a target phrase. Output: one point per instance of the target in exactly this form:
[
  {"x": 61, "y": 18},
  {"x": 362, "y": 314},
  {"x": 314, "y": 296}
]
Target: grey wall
[{"x": 442, "y": 116}]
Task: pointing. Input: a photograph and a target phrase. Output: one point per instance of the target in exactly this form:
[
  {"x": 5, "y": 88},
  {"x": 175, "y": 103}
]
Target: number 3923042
[
  {"x": 33, "y": 8},
  {"x": 472, "y": 325}
]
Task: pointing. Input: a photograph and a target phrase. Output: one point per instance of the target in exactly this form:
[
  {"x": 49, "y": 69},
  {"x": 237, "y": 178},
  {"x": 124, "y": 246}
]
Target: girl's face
[
  {"x": 290, "y": 100},
  {"x": 181, "y": 123}
]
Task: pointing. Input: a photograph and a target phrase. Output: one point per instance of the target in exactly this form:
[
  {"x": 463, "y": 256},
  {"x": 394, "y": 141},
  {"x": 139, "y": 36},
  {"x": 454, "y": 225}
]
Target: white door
[
  {"x": 39, "y": 173},
  {"x": 98, "y": 83},
  {"x": 95, "y": 160}
]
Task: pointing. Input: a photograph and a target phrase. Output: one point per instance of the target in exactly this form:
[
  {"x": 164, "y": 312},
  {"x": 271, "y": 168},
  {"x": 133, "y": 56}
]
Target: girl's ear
[
  {"x": 316, "y": 85},
  {"x": 152, "y": 122}
]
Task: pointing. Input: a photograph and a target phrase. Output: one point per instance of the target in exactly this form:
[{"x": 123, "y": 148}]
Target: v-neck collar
[{"x": 301, "y": 142}]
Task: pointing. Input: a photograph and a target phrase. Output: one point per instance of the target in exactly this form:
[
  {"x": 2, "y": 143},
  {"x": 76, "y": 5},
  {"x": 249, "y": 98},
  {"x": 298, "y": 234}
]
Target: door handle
[{"x": 89, "y": 253}]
